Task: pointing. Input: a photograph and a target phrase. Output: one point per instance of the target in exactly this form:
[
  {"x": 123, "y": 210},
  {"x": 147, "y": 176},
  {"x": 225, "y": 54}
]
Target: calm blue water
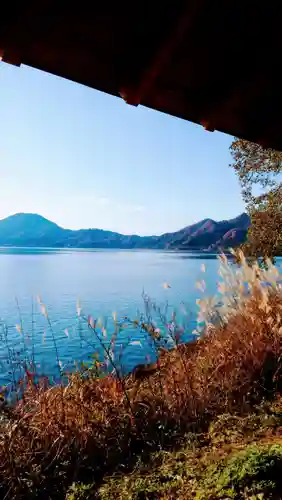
[{"x": 104, "y": 281}]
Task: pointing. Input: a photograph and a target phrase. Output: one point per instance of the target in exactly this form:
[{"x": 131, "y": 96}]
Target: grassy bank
[
  {"x": 238, "y": 457},
  {"x": 178, "y": 428}
]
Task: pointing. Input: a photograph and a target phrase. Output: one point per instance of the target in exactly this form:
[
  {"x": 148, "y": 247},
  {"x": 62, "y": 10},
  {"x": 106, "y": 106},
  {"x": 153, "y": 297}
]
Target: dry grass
[{"x": 93, "y": 427}]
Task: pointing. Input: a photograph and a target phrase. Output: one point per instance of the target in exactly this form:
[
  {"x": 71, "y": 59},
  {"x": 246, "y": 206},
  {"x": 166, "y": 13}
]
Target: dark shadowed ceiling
[{"x": 216, "y": 63}]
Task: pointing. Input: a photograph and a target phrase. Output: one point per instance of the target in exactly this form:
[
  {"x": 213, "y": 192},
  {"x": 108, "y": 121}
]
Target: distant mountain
[{"x": 32, "y": 230}]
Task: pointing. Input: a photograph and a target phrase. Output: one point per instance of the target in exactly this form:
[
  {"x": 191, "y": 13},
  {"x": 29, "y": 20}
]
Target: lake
[{"x": 104, "y": 281}]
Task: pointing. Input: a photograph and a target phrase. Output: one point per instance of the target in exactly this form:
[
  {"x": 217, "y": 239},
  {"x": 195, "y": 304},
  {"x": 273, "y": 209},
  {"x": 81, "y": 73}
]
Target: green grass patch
[{"x": 256, "y": 470}]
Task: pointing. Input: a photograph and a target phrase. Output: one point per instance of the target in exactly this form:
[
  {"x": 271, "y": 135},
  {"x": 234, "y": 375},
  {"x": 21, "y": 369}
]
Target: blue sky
[{"x": 85, "y": 159}]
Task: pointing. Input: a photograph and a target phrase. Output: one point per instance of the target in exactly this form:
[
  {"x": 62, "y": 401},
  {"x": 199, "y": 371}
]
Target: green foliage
[
  {"x": 137, "y": 488},
  {"x": 255, "y": 166},
  {"x": 260, "y": 170},
  {"x": 92, "y": 368},
  {"x": 254, "y": 471},
  {"x": 161, "y": 478},
  {"x": 80, "y": 491},
  {"x": 229, "y": 428}
]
